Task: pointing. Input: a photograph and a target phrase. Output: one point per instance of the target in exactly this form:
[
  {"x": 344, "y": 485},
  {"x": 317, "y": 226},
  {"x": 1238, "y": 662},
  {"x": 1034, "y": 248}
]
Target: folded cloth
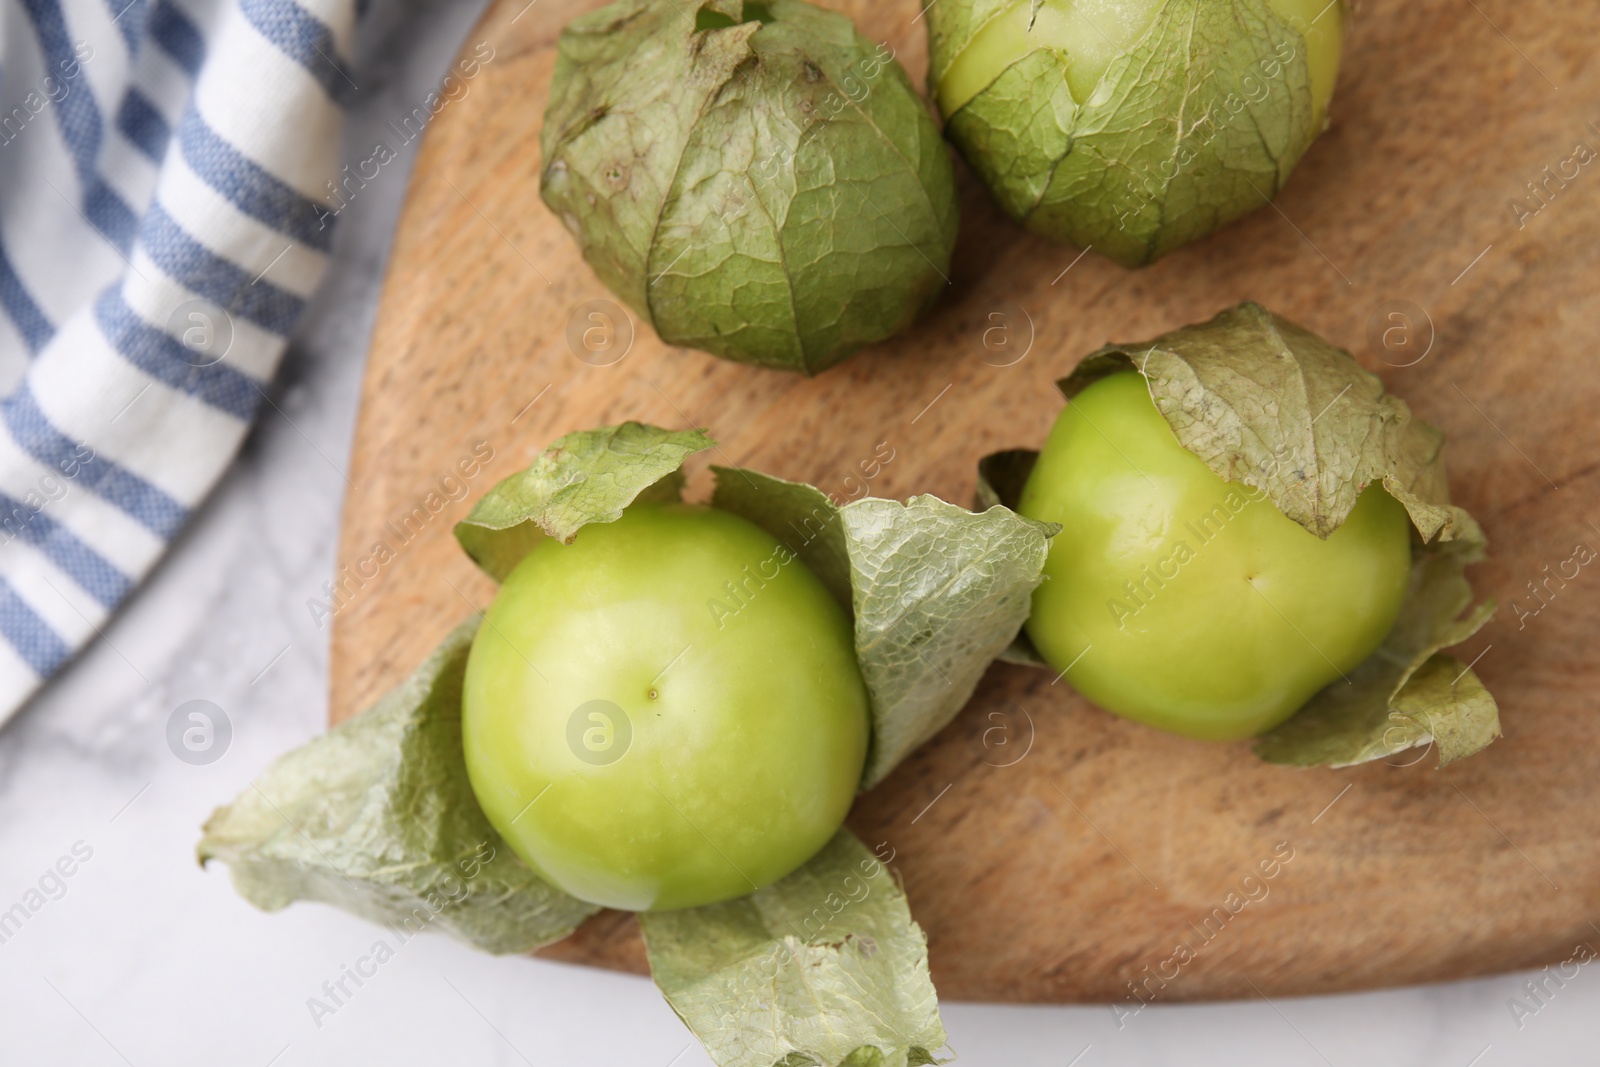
[{"x": 165, "y": 167}]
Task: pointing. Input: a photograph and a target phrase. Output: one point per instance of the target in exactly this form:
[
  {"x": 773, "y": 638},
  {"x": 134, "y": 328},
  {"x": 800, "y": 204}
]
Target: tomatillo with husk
[
  {"x": 1133, "y": 126},
  {"x": 1255, "y": 538},
  {"x": 757, "y": 180},
  {"x": 1189, "y": 603}
]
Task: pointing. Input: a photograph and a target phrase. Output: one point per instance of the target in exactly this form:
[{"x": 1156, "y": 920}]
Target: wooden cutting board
[{"x": 1051, "y": 851}]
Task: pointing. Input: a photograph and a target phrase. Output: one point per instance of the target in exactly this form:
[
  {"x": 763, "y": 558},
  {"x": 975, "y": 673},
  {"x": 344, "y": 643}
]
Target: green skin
[
  {"x": 1237, "y": 615},
  {"x": 748, "y": 715},
  {"x": 1095, "y": 32}
]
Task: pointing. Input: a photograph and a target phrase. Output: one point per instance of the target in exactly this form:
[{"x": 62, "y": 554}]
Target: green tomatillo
[
  {"x": 666, "y": 712},
  {"x": 1188, "y": 603},
  {"x": 666, "y": 706},
  {"x": 756, "y": 180},
  {"x": 1133, "y": 126},
  {"x": 1256, "y": 538}
]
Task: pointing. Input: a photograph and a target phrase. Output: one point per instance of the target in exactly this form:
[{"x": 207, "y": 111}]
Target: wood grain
[{"x": 1052, "y": 852}]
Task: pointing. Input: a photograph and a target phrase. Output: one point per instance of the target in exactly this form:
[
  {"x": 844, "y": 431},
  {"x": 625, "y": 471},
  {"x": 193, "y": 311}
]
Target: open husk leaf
[
  {"x": 823, "y": 967},
  {"x": 377, "y": 817},
  {"x": 937, "y": 592}
]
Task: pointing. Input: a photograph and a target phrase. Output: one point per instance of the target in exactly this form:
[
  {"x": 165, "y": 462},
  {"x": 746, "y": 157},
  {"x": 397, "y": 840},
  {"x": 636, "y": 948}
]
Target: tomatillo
[
  {"x": 666, "y": 712},
  {"x": 1133, "y": 126},
  {"x": 754, "y": 178},
  {"x": 1188, "y": 603}
]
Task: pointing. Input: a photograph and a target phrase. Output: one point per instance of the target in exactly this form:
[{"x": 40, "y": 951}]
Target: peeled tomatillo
[
  {"x": 666, "y": 712},
  {"x": 1188, "y": 603}
]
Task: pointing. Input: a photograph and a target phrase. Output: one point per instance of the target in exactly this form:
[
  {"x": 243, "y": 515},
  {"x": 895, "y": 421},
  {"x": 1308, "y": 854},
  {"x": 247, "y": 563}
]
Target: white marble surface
[{"x": 141, "y": 958}]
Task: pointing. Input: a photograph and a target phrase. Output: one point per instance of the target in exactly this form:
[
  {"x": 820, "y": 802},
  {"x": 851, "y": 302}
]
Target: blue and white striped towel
[{"x": 164, "y": 166}]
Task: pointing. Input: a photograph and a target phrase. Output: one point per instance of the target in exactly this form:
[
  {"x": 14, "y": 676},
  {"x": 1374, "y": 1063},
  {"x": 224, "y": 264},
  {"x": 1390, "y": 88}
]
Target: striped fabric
[{"x": 164, "y": 166}]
